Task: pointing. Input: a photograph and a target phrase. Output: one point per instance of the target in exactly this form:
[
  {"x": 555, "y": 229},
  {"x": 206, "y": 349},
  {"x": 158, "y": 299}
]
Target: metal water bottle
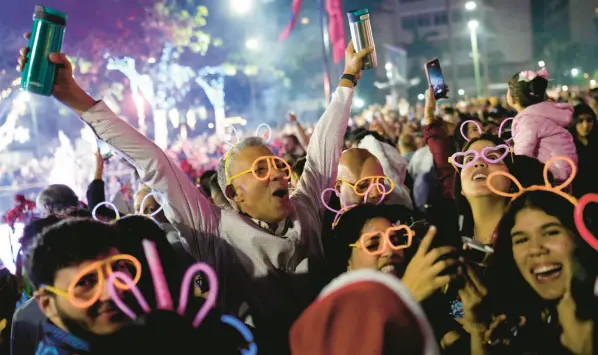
[
  {"x": 361, "y": 35},
  {"x": 47, "y": 34}
]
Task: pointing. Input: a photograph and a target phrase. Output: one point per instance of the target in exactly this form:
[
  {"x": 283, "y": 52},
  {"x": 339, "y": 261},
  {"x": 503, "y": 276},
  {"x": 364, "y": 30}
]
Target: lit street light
[
  {"x": 565, "y": 88},
  {"x": 593, "y": 82},
  {"x": 461, "y": 92},
  {"x": 252, "y": 44},
  {"x": 241, "y": 6},
  {"x": 420, "y": 97},
  {"x": 358, "y": 103},
  {"x": 574, "y": 72},
  {"x": 541, "y": 64},
  {"x": 473, "y": 26},
  {"x": 470, "y": 5}
]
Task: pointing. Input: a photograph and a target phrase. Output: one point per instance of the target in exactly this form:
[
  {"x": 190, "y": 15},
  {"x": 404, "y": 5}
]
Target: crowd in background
[{"x": 458, "y": 229}]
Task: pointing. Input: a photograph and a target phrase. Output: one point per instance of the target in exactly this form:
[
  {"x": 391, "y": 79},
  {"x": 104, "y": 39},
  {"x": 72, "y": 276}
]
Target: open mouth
[
  {"x": 479, "y": 177},
  {"x": 547, "y": 272},
  {"x": 388, "y": 269},
  {"x": 281, "y": 192}
]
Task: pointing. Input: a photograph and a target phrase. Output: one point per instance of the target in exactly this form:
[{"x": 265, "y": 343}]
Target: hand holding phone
[
  {"x": 436, "y": 79},
  {"x": 427, "y": 270},
  {"x": 105, "y": 150}
]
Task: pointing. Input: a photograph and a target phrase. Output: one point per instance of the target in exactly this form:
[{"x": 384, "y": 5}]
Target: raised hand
[
  {"x": 65, "y": 88},
  {"x": 422, "y": 274},
  {"x": 354, "y": 61}
]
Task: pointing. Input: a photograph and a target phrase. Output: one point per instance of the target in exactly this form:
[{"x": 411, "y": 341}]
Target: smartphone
[
  {"x": 475, "y": 252},
  {"x": 435, "y": 79},
  {"x": 105, "y": 150}
]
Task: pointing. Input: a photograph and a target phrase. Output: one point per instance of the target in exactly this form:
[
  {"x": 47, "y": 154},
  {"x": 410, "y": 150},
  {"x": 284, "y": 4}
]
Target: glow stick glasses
[
  {"x": 384, "y": 184},
  {"x": 344, "y": 208},
  {"x": 395, "y": 238},
  {"x": 491, "y": 155},
  {"x": 87, "y": 286},
  {"x": 262, "y": 168}
]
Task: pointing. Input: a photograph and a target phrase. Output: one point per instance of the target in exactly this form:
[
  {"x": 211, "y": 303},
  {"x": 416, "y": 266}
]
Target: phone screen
[
  {"x": 435, "y": 79},
  {"x": 105, "y": 150}
]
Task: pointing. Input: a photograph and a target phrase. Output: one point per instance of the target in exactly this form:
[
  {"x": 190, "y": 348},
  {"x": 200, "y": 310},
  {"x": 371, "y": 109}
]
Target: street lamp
[
  {"x": 241, "y": 6},
  {"x": 252, "y": 44},
  {"x": 565, "y": 88},
  {"x": 461, "y": 92},
  {"x": 470, "y": 5},
  {"x": 473, "y": 26},
  {"x": 541, "y": 64},
  {"x": 420, "y": 97},
  {"x": 358, "y": 103},
  {"x": 574, "y": 72}
]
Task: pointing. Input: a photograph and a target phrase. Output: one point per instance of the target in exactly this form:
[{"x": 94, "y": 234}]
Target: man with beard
[{"x": 54, "y": 266}]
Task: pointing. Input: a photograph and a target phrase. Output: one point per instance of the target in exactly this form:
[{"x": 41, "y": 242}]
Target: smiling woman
[
  {"x": 480, "y": 157},
  {"x": 534, "y": 252}
]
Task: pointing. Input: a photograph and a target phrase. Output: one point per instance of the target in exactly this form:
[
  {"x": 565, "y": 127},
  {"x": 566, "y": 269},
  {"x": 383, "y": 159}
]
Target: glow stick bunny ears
[
  {"x": 477, "y": 124},
  {"x": 164, "y": 299},
  {"x": 546, "y": 187},
  {"x": 160, "y": 199},
  {"x": 344, "y": 208},
  {"x": 580, "y": 205},
  {"x": 267, "y": 135}
]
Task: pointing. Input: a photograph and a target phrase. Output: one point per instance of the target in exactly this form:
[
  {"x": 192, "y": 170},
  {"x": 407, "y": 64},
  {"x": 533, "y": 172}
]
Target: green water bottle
[{"x": 47, "y": 34}]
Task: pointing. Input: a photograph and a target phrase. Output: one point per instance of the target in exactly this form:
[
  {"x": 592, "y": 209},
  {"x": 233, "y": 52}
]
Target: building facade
[{"x": 504, "y": 38}]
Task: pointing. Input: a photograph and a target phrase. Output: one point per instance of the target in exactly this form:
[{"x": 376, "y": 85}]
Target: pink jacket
[{"x": 539, "y": 132}]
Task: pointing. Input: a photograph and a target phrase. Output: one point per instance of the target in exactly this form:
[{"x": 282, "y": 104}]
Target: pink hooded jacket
[{"x": 540, "y": 132}]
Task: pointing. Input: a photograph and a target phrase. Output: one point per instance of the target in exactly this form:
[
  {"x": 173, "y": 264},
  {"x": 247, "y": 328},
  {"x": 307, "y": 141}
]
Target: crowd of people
[{"x": 462, "y": 230}]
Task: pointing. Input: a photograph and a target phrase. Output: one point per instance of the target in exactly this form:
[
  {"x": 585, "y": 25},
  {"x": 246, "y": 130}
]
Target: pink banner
[
  {"x": 336, "y": 29},
  {"x": 295, "y": 8}
]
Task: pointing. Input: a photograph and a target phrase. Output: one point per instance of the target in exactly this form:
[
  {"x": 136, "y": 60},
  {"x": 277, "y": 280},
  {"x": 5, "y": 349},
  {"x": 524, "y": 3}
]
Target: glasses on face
[
  {"x": 375, "y": 243},
  {"x": 384, "y": 185},
  {"x": 87, "y": 286},
  {"x": 263, "y": 167},
  {"x": 491, "y": 155}
]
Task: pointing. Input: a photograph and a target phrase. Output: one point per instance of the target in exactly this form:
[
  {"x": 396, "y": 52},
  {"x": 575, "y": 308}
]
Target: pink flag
[
  {"x": 295, "y": 8},
  {"x": 336, "y": 29}
]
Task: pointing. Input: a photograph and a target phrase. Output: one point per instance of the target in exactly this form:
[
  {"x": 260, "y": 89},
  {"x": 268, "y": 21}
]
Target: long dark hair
[
  {"x": 516, "y": 296},
  {"x": 583, "y": 109}
]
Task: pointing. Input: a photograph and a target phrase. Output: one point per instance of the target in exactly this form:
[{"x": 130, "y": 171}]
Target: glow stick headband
[
  {"x": 238, "y": 139},
  {"x": 477, "y": 124},
  {"x": 344, "y": 208},
  {"x": 546, "y": 187},
  {"x": 580, "y": 205},
  {"x": 164, "y": 299},
  {"x": 160, "y": 199}
]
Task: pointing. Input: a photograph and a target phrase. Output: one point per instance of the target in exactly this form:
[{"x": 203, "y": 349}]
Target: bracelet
[{"x": 350, "y": 77}]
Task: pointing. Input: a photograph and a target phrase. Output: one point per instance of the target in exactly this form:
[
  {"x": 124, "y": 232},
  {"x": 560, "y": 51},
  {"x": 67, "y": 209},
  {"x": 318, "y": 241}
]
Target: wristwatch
[{"x": 350, "y": 77}]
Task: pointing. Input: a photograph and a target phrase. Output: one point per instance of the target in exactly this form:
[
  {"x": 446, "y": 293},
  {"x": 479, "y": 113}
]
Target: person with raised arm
[{"x": 265, "y": 245}]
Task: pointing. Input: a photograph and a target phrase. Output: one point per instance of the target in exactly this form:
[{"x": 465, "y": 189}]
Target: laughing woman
[{"x": 530, "y": 274}]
